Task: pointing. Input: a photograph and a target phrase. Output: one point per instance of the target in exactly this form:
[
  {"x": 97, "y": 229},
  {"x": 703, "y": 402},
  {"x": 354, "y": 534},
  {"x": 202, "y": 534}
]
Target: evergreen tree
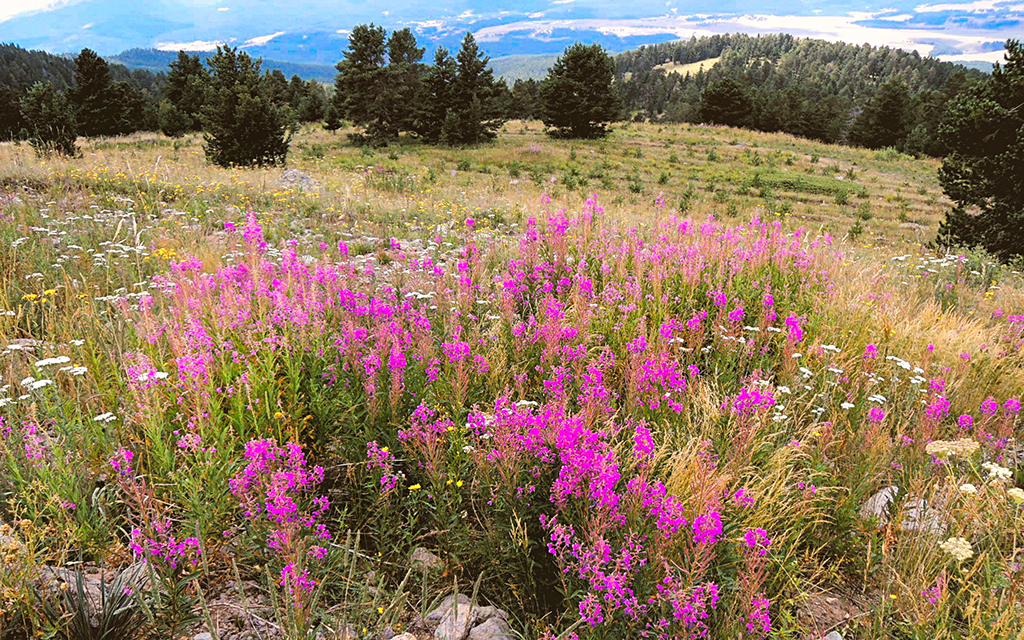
[
  {"x": 173, "y": 123},
  {"x": 984, "y": 132},
  {"x": 438, "y": 88},
  {"x": 360, "y": 94},
  {"x": 312, "y": 104},
  {"x": 725, "y": 102},
  {"x": 187, "y": 82},
  {"x": 50, "y": 120},
  {"x": 404, "y": 80},
  {"x": 11, "y": 122},
  {"x": 241, "y": 125},
  {"x": 577, "y": 99},
  {"x": 475, "y": 111},
  {"x": 886, "y": 118},
  {"x": 94, "y": 97},
  {"x": 525, "y": 101}
]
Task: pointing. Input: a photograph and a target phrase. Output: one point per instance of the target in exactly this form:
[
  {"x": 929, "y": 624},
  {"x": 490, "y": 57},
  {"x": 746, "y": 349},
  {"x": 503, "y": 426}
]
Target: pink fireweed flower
[
  {"x": 252, "y": 234},
  {"x": 796, "y": 332},
  {"x": 876, "y": 415},
  {"x": 736, "y": 315},
  {"x": 643, "y": 444},
  {"x": 160, "y": 545},
  {"x": 965, "y": 421},
  {"x": 121, "y": 462},
  {"x": 870, "y": 352},
  {"x": 741, "y": 498},
  {"x": 756, "y": 541},
  {"x": 707, "y": 528},
  {"x": 758, "y": 621}
]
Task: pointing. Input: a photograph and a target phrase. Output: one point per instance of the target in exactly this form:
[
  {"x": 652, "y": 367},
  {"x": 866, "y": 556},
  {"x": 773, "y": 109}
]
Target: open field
[
  {"x": 653, "y": 386},
  {"x": 691, "y": 68}
]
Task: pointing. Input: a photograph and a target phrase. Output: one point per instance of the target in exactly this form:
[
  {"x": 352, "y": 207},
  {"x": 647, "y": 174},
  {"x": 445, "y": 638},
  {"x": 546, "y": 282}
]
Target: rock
[
  {"x": 404, "y": 636},
  {"x": 833, "y": 635},
  {"x": 877, "y": 506},
  {"x": 456, "y": 623},
  {"x": 387, "y": 633},
  {"x": 295, "y": 179},
  {"x": 494, "y": 628},
  {"x": 206, "y": 635},
  {"x": 917, "y": 513},
  {"x": 486, "y": 613},
  {"x": 423, "y": 559},
  {"x": 445, "y": 607}
]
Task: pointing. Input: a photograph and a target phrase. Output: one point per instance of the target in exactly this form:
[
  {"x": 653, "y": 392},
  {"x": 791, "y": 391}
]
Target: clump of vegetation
[{"x": 241, "y": 126}]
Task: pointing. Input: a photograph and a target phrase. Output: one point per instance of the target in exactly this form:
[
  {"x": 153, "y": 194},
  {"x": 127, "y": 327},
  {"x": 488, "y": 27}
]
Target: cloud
[
  {"x": 11, "y": 8},
  {"x": 901, "y": 17},
  {"x": 986, "y": 56},
  {"x": 87, "y": 26},
  {"x": 979, "y": 6},
  {"x": 259, "y": 41},
  {"x": 223, "y": 8},
  {"x": 195, "y": 45}
]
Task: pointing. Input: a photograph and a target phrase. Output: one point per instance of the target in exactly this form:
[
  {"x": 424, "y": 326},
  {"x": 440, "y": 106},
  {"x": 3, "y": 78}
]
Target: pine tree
[
  {"x": 404, "y": 80},
  {"x": 886, "y": 119},
  {"x": 94, "y": 97},
  {"x": 173, "y": 123},
  {"x": 11, "y": 122},
  {"x": 725, "y": 102},
  {"x": 242, "y": 127},
  {"x": 187, "y": 81},
  {"x": 50, "y": 120},
  {"x": 438, "y": 88},
  {"x": 471, "y": 101},
  {"x": 577, "y": 99},
  {"x": 360, "y": 85},
  {"x": 984, "y": 131}
]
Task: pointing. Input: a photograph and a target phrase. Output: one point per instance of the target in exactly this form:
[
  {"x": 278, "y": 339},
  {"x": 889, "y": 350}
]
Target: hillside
[
  {"x": 719, "y": 368},
  {"x": 156, "y": 61},
  {"x": 807, "y": 87},
  {"x": 21, "y": 68},
  {"x": 524, "y": 67}
]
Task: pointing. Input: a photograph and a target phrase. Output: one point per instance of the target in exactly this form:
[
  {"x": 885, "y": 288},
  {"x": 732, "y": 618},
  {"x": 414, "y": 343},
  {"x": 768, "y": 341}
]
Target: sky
[{"x": 956, "y": 31}]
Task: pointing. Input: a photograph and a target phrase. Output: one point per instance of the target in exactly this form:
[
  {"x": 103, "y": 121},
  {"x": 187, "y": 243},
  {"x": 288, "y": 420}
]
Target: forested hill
[
  {"x": 808, "y": 87},
  {"x": 21, "y": 68}
]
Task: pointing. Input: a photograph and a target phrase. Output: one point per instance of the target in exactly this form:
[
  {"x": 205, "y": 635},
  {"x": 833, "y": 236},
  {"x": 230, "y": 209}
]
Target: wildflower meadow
[{"x": 651, "y": 387}]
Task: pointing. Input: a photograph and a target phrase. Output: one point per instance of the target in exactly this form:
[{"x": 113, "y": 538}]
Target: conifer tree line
[
  {"x": 51, "y": 100},
  {"x": 833, "y": 92}
]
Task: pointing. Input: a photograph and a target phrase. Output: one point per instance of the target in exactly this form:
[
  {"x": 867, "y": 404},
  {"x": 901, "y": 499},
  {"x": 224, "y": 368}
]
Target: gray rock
[
  {"x": 446, "y": 606},
  {"x": 404, "y": 636},
  {"x": 486, "y": 613},
  {"x": 423, "y": 559},
  {"x": 494, "y": 628},
  {"x": 833, "y": 635},
  {"x": 456, "y": 623},
  {"x": 295, "y": 179},
  {"x": 917, "y": 513},
  {"x": 877, "y": 506},
  {"x": 205, "y": 635}
]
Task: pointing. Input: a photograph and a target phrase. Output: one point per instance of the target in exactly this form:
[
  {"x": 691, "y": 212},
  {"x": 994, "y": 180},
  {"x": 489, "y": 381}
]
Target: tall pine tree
[
  {"x": 475, "y": 105},
  {"x": 359, "y": 89},
  {"x": 187, "y": 81},
  {"x": 97, "y": 109},
  {"x": 984, "y": 132}
]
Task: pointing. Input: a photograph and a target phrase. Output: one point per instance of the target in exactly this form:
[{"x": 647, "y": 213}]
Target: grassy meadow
[{"x": 649, "y": 386}]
